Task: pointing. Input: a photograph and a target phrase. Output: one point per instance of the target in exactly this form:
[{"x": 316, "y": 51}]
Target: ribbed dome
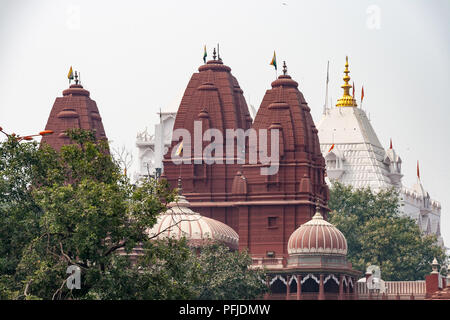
[
  {"x": 180, "y": 221},
  {"x": 317, "y": 236}
]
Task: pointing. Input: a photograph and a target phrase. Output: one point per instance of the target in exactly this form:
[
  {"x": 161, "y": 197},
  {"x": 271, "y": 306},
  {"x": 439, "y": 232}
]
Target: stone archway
[
  {"x": 310, "y": 284},
  {"x": 331, "y": 284},
  {"x": 278, "y": 287}
]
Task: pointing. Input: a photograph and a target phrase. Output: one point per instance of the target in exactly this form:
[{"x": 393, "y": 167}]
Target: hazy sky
[{"x": 136, "y": 56}]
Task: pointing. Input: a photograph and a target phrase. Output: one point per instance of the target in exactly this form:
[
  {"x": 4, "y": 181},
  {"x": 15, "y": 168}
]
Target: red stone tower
[
  {"x": 75, "y": 109},
  {"x": 214, "y": 99},
  {"x": 273, "y": 206},
  {"x": 264, "y": 209}
]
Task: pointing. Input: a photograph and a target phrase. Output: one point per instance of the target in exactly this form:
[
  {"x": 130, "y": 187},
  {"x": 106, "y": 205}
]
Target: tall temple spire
[
  {"x": 75, "y": 109},
  {"x": 347, "y": 100}
]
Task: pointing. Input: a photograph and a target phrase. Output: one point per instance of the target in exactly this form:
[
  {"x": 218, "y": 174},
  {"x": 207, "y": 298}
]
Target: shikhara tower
[
  {"x": 213, "y": 98},
  {"x": 354, "y": 156},
  {"x": 74, "y": 110},
  {"x": 271, "y": 207}
]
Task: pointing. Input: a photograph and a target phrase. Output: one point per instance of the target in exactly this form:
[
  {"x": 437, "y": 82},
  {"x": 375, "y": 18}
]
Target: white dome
[{"x": 180, "y": 221}]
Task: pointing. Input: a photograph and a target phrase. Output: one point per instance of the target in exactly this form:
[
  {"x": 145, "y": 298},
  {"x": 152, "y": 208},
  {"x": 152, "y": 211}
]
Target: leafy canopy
[
  {"x": 75, "y": 207},
  {"x": 378, "y": 234}
]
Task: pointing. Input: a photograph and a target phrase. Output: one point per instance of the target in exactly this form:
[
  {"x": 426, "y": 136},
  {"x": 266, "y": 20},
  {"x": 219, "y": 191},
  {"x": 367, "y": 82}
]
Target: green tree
[
  {"x": 226, "y": 275},
  {"x": 72, "y": 207},
  {"x": 19, "y": 214},
  {"x": 75, "y": 207},
  {"x": 378, "y": 234}
]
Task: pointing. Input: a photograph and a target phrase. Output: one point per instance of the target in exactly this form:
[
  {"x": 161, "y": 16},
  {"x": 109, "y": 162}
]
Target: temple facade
[
  {"x": 281, "y": 218},
  {"x": 354, "y": 156},
  {"x": 213, "y": 100},
  {"x": 264, "y": 209}
]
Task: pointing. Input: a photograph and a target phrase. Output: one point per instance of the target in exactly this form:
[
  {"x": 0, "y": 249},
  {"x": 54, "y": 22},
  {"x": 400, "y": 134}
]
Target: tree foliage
[
  {"x": 377, "y": 233},
  {"x": 75, "y": 207}
]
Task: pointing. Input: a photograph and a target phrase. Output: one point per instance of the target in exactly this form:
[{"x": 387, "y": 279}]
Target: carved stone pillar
[
  {"x": 321, "y": 288},
  {"x": 299, "y": 287},
  {"x": 341, "y": 287},
  {"x": 288, "y": 287},
  {"x": 347, "y": 288}
]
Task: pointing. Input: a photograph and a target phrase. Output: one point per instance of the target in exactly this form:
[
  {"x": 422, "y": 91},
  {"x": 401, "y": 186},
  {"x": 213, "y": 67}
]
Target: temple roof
[
  {"x": 215, "y": 90},
  {"x": 350, "y": 133},
  {"x": 317, "y": 236},
  {"x": 353, "y": 136},
  {"x": 285, "y": 108},
  {"x": 75, "y": 109},
  {"x": 213, "y": 99}
]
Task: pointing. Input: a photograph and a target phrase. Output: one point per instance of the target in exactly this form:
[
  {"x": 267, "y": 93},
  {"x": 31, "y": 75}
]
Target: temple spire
[
  {"x": 284, "y": 68},
  {"x": 347, "y": 100},
  {"x": 318, "y": 214}
]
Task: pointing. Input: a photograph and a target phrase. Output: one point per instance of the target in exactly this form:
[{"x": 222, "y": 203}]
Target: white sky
[{"x": 136, "y": 56}]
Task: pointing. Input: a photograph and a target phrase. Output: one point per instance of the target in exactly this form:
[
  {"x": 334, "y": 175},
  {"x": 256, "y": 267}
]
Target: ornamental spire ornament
[
  {"x": 347, "y": 100},
  {"x": 284, "y": 68}
]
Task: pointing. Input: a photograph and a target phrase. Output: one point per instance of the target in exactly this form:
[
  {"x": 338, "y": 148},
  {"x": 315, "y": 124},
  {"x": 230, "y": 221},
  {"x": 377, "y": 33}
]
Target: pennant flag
[
  {"x": 418, "y": 173},
  {"x": 362, "y": 93},
  {"x": 204, "y": 55},
  {"x": 331, "y": 148},
  {"x": 274, "y": 61},
  {"x": 180, "y": 149},
  {"x": 70, "y": 75},
  {"x": 390, "y": 147},
  {"x": 353, "y": 90}
]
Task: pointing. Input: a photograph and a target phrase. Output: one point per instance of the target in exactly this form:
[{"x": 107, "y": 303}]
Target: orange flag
[
  {"x": 418, "y": 172},
  {"x": 331, "y": 148},
  {"x": 353, "y": 90},
  {"x": 362, "y": 93}
]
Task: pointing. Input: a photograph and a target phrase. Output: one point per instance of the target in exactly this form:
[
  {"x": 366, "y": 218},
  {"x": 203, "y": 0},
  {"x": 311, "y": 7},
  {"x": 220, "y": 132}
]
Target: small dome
[
  {"x": 180, "y": 221},
  {"x": 317, "y": 236}
]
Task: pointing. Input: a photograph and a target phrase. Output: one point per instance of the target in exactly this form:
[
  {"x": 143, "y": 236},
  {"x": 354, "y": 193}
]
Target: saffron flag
[
  {"x": 390, "y": 147},
  {"x": 274, "y": 61},
  {"x": 362, "y": 93},
  {"x": 204, "y": 55},
  {"x": 331, "y": 148},
  {"x": 180, "y": 149},
  {"x": 353, "y": 90},
  {"x": 70, "y": 75}
]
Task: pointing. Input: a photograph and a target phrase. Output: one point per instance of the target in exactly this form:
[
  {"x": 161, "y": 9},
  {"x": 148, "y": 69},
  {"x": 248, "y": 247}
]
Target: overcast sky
[{"x": 136, "y": 56}]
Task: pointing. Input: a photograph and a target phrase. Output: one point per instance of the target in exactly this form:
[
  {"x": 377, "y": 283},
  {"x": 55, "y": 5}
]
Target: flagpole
[{"x": 325, "y": 106}]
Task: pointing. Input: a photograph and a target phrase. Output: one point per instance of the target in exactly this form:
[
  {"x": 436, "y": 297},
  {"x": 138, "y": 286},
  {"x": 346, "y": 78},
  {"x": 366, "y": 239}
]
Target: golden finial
[{"x": 347, "y": 100}]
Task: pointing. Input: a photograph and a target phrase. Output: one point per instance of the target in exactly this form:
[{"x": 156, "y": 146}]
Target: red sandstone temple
[
  {"x": 267, "y": 211},
  {"x": 279, "y": 218}
]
